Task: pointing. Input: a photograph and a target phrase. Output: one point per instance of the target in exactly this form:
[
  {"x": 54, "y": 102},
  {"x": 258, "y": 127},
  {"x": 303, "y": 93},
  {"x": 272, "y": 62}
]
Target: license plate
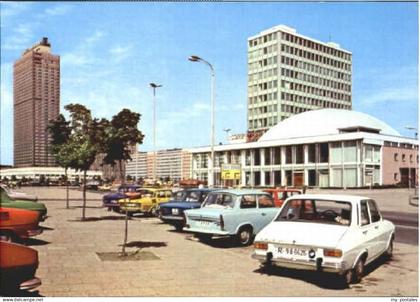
[
  {"x": 292, "y": 252},
  {"x": 175, "y": 212},
  {"x": 205, "y": 223}
]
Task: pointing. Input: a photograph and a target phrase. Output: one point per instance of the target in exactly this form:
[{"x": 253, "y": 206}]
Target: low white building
[
  {"x": 319, "y": 148},
  {"x": 53, "y": 173}
]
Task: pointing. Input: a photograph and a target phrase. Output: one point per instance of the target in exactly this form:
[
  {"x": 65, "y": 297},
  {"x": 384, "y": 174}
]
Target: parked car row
[
  {"x": 327, "y": 233},
  {"x": 20, "y": 215}
]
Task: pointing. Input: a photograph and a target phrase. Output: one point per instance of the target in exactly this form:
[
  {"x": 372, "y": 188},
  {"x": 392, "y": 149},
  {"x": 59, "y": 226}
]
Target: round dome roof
[{"x": 324, "y": 122}]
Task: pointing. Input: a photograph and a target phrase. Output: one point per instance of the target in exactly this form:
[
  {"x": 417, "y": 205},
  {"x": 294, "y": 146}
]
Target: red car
[
  {"x": 18, "y": 223},
  {"x": 281, "y": 194},
  {"x": 18, "y": 265}
]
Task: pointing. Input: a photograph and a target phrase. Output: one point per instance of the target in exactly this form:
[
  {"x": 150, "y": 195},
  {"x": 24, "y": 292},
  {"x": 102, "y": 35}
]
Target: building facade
[
  {"x": 174, "y": 164},
  {"x": 289, "y": 73},
  {"x": 320, "y": 148},
  {"x": 53, "y": 173},
  {"x": 36, "y": 101}
]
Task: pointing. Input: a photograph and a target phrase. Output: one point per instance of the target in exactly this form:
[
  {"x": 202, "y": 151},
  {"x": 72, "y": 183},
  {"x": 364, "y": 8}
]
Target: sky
[{"x": 111, "y": 51}]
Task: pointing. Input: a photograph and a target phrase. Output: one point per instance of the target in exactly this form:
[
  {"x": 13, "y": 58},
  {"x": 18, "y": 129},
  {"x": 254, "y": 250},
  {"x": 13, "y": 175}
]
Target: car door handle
[
  {"x": 376, "y": 227},
  {"x": 364, "y": 232},
  {"x": 263, "y": 214}
]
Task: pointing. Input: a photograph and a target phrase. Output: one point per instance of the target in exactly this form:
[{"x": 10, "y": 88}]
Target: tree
[
  {"x": 61, "y": 149},
  {"x": 83, "y": 142},
  {"x": 121, "y": 134}
]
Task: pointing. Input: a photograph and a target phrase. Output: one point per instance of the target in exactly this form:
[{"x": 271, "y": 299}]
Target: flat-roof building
[
  {"x": 319, "y": 148},
  {"x": 289, "y": 73},
  {"x": 174, "y": 164}
]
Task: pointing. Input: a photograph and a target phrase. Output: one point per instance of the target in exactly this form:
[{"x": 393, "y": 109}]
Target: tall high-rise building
[
  {"x": 289, "y": 73},
  {"x": 36, "y": 101}
]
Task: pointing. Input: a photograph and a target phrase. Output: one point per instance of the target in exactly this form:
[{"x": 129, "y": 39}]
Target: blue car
[
  {"x": 110, "y": 200},
  {"x": 172, "y": 212},
  {"x": 239, "y": 214}
]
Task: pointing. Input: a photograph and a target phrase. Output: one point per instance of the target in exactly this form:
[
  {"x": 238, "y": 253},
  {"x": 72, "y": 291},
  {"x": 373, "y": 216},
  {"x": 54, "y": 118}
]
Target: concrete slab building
[
  {"x": 319, "y": 148},
  {"x": 289, "y": 73},
  {"x": 36, "y": 101}
]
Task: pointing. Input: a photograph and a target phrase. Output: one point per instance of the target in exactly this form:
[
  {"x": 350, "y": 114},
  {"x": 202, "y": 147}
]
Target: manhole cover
[{"x": 130, "y": 256}]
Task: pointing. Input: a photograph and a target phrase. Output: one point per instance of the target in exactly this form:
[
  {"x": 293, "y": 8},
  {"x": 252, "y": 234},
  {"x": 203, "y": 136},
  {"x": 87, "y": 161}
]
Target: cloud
[
  {"x": 12, "y": 9},
  {"x": 6, "y": 86},
  {"x": 393, "y": 94},
  {"x": 76, "y": 59},
  {"x": 95, "y": 37},
  {"x": 58, "y": 10},
  {"x": 21, "y": 38},
  {"x": 6, "y": 112},
  {"x": 120, "y": 53},
  {"x": 84, "y": 53},
  {"x": 393, "y": 85}
]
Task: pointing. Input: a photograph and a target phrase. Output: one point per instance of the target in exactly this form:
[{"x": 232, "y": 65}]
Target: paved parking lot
[{"x": 69, "y": 265}]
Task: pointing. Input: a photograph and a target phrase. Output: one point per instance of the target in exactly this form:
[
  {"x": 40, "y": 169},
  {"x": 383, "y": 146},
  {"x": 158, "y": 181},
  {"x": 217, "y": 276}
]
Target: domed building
[{"x": 318, "y": 148}]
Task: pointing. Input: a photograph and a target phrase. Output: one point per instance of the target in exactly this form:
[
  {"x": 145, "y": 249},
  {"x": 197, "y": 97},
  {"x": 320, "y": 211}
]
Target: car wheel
[
  {"x": 348, "y": 277},
  {"x": 7, "y": 236},
  {"x": 178, "y": 227},
  {"x": 358, "y": 271},
  {"x": 153, "y": 212},
  {"x": 245, "y": 236},
  {"x": 390, "y": 249}
]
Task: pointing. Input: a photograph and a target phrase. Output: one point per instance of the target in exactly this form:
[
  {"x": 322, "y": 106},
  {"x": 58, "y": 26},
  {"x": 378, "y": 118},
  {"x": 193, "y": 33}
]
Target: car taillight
[
  {"x": 222, "y": 222},
  {"x": 260, "y": 246},
  {"x": 333, "y": 253}
]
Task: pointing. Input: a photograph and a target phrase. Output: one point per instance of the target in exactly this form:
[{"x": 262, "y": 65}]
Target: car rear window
[
  {"x": 220, "y": 200},
  {"x": 265, "y": 201},
  {"x": 317, "y": 211}
]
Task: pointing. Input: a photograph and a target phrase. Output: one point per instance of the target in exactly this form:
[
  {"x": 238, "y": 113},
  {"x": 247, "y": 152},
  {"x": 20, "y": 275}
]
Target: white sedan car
[{"x": 331, "y": 233}]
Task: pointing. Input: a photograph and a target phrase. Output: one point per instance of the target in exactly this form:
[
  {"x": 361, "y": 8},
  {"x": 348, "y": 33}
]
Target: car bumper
[
  {"x": 204, "y": 231},
  {"x": 34, "y": 232},
  {"x": 30, "y": 284},
  {"x": 111, "y": 204},
  {"x": 167, "y": 218},
  {"x": 318, "y": 264}
]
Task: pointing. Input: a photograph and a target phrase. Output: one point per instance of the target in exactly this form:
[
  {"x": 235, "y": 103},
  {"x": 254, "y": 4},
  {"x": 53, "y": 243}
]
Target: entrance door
[{"x": 298, "y": 179}]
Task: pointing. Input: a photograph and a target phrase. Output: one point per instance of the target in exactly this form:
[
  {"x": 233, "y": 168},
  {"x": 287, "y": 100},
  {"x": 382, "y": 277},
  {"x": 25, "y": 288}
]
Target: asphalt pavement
[{"x": 178, "y": 265}]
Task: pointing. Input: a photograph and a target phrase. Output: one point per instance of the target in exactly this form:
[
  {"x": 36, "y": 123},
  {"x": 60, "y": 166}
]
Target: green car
[{"x": 6, "y": 202}]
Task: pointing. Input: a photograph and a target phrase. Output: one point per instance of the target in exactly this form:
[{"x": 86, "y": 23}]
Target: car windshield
[
  {"x": 222, "y": 200},
  {"x": 187, "y": 196},
  {"x": 317, "y": 211},
  {"x": 145, "y": 193}
]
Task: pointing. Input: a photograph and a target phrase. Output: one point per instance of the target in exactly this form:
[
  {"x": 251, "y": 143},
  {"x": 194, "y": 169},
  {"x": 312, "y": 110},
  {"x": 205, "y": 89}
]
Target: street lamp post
[
  {"x": 154, "y": 86},
  {"x": 211, "y": 173}
]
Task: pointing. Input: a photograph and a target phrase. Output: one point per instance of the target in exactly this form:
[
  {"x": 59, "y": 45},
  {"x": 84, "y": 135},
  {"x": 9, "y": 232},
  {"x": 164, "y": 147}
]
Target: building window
[
  {"x": 411, "y": 158},
  {"x": 288, "y": 154},
  {"x": 395, "y": 156},
  {"x": 395, "y": 176},
  {"x": 299, "y": 154},
  {"x": 257, "y": 159},
  {"x": 403, "y": 157}
]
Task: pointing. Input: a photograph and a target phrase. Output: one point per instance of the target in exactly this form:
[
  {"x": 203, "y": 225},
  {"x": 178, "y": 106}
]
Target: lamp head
[
  {"x": 153, "y": 85},
  {"x": 194, "y": 58}
]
